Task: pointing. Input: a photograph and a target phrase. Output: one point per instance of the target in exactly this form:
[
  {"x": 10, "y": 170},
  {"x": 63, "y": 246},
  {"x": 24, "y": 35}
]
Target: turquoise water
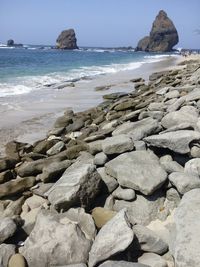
[{"x": 23, "y": 70}]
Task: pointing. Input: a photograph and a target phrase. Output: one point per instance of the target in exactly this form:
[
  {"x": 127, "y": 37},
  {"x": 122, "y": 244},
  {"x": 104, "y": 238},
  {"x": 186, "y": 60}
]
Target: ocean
[{"x": 32, "y": 68}]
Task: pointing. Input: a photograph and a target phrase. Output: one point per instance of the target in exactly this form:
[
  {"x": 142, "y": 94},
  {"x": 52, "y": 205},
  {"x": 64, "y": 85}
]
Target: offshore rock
[
  {"x": 67, "y": 40},
  {"x": 163, "y": 36}
]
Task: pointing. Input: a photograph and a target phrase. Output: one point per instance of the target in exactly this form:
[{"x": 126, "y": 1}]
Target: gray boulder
[
  {"x": 184, "y": 182},
  {"x": 79, "y": 184},
  {"x": 186, "y": 249},
  {"x": 134, "y": 170},
  {"x": 187, "y": 114},
  {"x": 192, "y": 167},
  {"x": 7, "y": 228},
  {"x": 122, "y": 264},
  {"x": 153, "y": 260},
  {"x": 6, "y": 251},
  {"x": 58, "y": 147},
  {"x": 148, "y": 240},
  {"x": 143, "y": 209},
  {"x": 138, "y": 130},
  {"x": 55, "y": 240},
  {"x": 100, "y": 159},
  {"x": 177, "y": 141},
  {"x": 110, "y": 182},
  {"x": 114, "y": 237},
  {"x": 117, "y": 144}
]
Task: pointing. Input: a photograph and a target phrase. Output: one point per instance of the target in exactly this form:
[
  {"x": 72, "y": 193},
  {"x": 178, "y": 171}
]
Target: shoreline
[
  {"x": 127, "y": 169},
  {"x": 29, "y": 123}
]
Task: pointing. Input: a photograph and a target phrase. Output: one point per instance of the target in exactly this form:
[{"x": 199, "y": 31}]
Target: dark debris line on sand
[{"x": 119, "y": 182}]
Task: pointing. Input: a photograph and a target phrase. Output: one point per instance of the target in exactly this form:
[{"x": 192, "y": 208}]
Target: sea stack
[
  {"x": 163, "y": 36},
  {"x": 67, "y": 40}
]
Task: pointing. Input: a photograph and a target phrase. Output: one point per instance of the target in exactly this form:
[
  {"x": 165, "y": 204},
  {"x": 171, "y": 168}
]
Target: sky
[{"x": 99, "y": 23}]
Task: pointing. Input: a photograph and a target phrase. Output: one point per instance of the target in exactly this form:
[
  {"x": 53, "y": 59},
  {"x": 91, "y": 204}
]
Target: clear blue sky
[{"x": 96, "y": 22}]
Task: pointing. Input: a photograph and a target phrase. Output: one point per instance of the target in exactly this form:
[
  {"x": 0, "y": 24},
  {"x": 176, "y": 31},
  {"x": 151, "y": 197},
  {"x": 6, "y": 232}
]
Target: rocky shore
[{"x": 115, "y": 185}]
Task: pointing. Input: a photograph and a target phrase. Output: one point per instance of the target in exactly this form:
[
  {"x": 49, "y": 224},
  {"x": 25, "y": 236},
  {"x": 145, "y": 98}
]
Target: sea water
[{"x": 33, "y": 68}]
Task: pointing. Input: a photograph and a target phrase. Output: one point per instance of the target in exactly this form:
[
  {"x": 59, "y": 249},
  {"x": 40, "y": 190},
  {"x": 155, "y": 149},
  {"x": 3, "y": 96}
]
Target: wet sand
[{"x": 28, "y": 117}]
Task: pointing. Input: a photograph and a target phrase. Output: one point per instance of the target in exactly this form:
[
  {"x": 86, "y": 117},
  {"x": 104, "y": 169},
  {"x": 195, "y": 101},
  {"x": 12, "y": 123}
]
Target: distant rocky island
[
  {"x": 11, "y": 42},
  {"x": 67, "y": 40},
  {"x": 163, "y": 36}
]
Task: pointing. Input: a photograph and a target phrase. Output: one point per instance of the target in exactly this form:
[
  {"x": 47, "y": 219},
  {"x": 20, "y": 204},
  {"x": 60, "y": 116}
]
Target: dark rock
[
  {"x": 67, "y": 40},
  {"x": 143, "y": 44},
  {"x": 5, "y": 176},
  {"x": 6, "y": 164},
  {"x": 10, "y": 42},
  {"x": 163, "y": 36}
]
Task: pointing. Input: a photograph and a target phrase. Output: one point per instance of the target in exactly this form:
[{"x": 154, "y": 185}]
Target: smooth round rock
[{"x": 17, "y": 260}]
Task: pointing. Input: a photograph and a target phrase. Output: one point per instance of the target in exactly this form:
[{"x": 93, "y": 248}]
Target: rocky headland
[
  {"x": 67, "y": 40},
  {"x": 115, "y": 185},
  {"x": 163, "y": 36}
]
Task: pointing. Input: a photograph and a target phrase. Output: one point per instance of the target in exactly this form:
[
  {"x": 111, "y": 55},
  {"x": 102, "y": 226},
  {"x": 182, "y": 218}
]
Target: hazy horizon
[{"x": 97, "y": 24}]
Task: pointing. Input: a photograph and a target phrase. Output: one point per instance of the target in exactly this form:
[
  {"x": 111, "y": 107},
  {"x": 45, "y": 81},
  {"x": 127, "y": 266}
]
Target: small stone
[
  {"x": 117, "y": 144},
  {"x": 101, "y": 216},
  {"x": 17, "y": 260},
  {"x": 100, "y": 159},
  {"x": 110, "y": 182},
  {"x": 125, "y": 194},
  {"x": 153, "y": 260},
  {"x": 58, "y": 147}
]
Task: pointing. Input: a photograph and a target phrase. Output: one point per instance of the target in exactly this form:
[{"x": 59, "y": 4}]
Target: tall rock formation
[
  {"x": 163, "y": 36},
  {"x": 67, "y": 40}
]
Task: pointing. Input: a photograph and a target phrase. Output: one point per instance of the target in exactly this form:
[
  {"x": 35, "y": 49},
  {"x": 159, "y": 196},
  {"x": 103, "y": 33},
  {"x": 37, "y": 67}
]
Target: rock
[
  {"x": 173, "y": 195},
  {"x": 67, "y": 40},
  {"x": 143, "y": 209},
  {"x": 53, "y": 171},
  {"x": 29, "y": 219},
  {"x": 7, "y": 228},
  {"x": 122, "y": 264},
  {"x": 139, "y": 145},
  {"x": 163, "y": 36},
  {"x": 172, "y": 166},
  {"x": 79, "y": 184},
  {"x": 110, "y": 182},
  {"x": 58, "y": 147},
  {"x": 64, "y": 120},
  {"x": 186, "y": 249},
  {"x": 14, "y": 207},
  {"x": 125, "y": 194},
  {"x": 186, "y": 114},
  {"x": 134, "y": 170},
  {"x": 6, "y": 252},
  {"x": 143, "y": 44},
  {"x": 40, "y": 189},
  {"x": 17, "y": 260},
  {"x": 101, "y": 216},
  {"x": 60, "y": 242},
  {"x": 114, "y": 237},
  {"x": 15, "y": 186},
  {"x": 172, "y": 94},
  {"x": 7, "y": 164},
  {"x": 148, "y": 240},
  {"x": 153, "y": 260},
  {"x": 138, "y": 130},
  {"x": 184, "y": 182},
  {"x": 114, "y": 96},
  {"x": 177, "y": 141},
  {"x": 117, "y": 144},
  {"x": 10, "y": 42},
  {"x": 100, "y": 159},
  {"x": 5, "y": 176},
  {"x": 84, "y": 221},
  {"x": 35, "y": 201},
  {"x": 156, "y": 106},
  {"x": 192, "y": 167}
]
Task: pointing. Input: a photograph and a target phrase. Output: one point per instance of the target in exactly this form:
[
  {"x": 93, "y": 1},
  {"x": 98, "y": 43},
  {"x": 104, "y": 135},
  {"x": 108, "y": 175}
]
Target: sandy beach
[{"x": 28, "y": 117}]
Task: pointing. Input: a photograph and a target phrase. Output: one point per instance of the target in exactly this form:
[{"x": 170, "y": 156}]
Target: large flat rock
[
  {"x": 186, "y": 247},
  {"x": 139, "y": 170},
  {"x": 177, "y": 141},
  {"x": 55, "y": 241},
  {"x": 138, "y": 130},
  {"x": 79, "y": 184},
  {"x": 114, "y": 237}
]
